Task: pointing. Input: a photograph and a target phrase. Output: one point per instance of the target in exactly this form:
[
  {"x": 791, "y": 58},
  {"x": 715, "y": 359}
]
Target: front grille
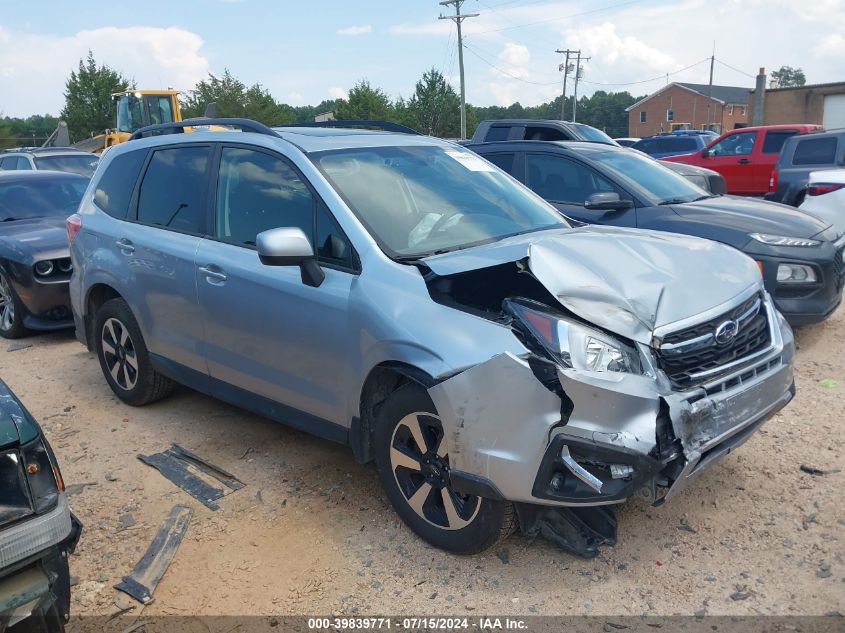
[{"x": 705, "y": 354}]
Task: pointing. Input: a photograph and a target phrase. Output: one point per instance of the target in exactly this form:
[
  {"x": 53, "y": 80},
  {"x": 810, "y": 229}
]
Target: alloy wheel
[
  {"x": 7, "y": 305},
  {"x": 119, "y": 354},
  {"x": 420, "y": 465}
]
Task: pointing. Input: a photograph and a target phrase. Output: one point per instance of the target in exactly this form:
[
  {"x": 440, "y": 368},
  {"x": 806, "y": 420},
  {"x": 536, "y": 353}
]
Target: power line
[
  {"x": 645, "y": 81},
  {"x": 557, "y": 19},
  {"x": 506, "y": 73},
  {"x": 741, "y": 72}
]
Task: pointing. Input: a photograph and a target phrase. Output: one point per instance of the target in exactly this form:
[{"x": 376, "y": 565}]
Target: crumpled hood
[
  {"x": 752, "y": 216},
  {"x": 627, "y": 281}
]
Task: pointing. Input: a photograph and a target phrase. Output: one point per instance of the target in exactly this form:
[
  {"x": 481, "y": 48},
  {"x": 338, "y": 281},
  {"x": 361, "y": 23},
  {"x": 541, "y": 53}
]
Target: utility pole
[
  {"x": 710, "y": 88},
  {"x": 577, "y": 77},
  {"x": 457, "y": 19},
  {"x": 565, "y": 69}
]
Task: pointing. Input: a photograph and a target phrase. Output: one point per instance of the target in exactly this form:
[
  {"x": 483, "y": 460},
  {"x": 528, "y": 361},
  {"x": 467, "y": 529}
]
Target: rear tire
[
  {"x": 413, "y": 466},
  {"x": 124, "y": 358},
  {"x": 11, "y": 310}
]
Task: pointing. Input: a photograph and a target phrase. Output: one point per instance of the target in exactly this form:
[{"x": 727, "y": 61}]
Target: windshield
[
  {"x": 82, "y": 164},
  {"x": 589, "y": 133},
  {"x": 130, "y": 114},
  {"x": 38, "y": 198},
  {"x": 420, "y": 200},
  {"x": 661, "y": 183}
]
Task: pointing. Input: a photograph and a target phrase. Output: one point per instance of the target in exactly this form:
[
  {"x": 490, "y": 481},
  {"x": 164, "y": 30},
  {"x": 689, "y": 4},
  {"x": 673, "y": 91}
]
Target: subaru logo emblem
[{"x": 726, "y": 332}]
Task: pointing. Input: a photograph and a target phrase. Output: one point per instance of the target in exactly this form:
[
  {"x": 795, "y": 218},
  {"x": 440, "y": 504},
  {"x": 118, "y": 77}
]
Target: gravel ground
[{"x": 312, "y": 532}]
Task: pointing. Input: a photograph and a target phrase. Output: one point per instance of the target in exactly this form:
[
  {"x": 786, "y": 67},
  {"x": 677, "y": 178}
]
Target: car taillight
[
  {"x": 823, "y": 188},
  {"x": 773, "y": 180},
  {"x": 73, "y": 225}
]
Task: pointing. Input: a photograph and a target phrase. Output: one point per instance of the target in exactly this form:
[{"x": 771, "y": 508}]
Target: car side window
[
  {"x": 497, "y": 133},
  {"x": 739, "y": 144},
  {"x": 560, "y": 179},
  {"x": 774, "y": 140},
  {"x": 815, "y": 151},
  {"x": 502, "y": 161},
  {"x": 23, "y": 163},
  {"x": 534, "y": 133},
  {"x": 8, "y": 164},
  {"x": 257, "y": 192},
  {"x": 172, "y": 192},
  {"x": 332, "y": 246},
  {"x": 115, "y": 188}
]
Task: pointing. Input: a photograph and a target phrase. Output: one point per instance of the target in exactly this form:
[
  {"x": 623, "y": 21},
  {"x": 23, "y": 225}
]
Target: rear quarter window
[
  {"x": 815, "y": 151},
  {"x": 774, "y": 141},
  {"x": 114, "y": 190}
]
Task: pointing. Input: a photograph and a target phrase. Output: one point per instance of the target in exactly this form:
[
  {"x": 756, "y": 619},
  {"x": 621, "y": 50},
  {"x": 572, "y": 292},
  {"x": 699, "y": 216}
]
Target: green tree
[
  {"x": 234, "y": 99},
  {"x": 435, "y": 108},
  {"x": 89, "y": 107},
  {"x": 787, "y": 77},
  {"x": 364, "y": 102}
]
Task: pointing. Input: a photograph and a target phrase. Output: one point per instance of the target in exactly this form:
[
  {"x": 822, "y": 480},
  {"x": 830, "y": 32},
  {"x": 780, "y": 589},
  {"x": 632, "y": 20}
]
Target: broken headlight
[
  {"x": 572, "y": 344},
  {"x": 45, "y": 481}
]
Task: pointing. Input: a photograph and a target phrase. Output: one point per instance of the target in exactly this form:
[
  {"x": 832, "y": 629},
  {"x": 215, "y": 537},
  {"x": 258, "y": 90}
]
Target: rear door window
[
  {"x": 502, "y": 161},
  {"x": 23, "y": 163},
  {"x": 172, "y": 193},
  {"x": 775, "y": 139},
  {"x": 815, "y": 151},
  {"x": 115, "y": 188},
  {"x": 8, "y": 163},
  {"x": 498, "y": 133}
]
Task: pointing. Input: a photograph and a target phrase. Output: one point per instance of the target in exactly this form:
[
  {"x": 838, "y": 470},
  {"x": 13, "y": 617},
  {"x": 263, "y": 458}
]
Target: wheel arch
[
  {"x": 96, "y": 296},
  {"x": 381, "y": 381}
]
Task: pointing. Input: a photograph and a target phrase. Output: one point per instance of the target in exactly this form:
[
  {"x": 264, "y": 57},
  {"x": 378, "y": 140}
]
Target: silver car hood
[{"x": 627, "y": 281}]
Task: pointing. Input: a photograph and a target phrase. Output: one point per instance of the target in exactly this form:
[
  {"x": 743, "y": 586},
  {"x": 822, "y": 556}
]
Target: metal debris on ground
[
  {"x": 812, "y": 470},
  {"x": 186, "y": 469},
  {"x": 14, "y": 347},
  {"x": 141, "y": 583}
]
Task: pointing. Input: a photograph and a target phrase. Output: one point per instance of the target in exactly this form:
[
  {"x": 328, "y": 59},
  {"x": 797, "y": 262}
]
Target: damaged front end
[{"x": 590, "y": 417}]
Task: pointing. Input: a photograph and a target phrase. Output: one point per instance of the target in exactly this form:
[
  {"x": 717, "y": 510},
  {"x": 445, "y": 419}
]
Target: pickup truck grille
[
  {"x": 704, "y": 347},
  {"x": 14, "y": 495}
]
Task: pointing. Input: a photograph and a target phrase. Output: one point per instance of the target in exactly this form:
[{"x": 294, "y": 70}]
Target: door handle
[
  {"x": 743, "y": 161},
  {"x": 126, "y": 246},
  {"x": 210, "y": 273}
]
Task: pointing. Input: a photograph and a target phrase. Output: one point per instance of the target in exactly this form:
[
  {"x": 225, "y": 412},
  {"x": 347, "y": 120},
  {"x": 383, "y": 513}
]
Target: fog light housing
[
  {"x": 44, "y": 268},
  {"x": 796, "y": 274}
]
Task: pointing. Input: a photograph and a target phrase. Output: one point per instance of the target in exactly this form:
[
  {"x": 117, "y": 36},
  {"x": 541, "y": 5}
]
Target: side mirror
[
  {"x": 607, "y": 201},
  {"x": 705, "y": 153},
  {"x": 288, "y": 246}
]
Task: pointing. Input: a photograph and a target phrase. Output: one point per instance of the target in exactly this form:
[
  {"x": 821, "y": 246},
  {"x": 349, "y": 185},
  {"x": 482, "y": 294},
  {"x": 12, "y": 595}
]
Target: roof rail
[
  {"x": 246, "y": 125},
  {"x": 387, "y": 126}
]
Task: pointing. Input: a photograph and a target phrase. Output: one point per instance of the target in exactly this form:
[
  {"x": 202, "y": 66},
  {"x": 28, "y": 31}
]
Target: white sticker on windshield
[{"x": 470, "y": 161}]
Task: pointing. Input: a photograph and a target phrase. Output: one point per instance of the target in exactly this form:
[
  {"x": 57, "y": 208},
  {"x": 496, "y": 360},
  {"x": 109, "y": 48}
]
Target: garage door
[{"x": 834, "y": 112}]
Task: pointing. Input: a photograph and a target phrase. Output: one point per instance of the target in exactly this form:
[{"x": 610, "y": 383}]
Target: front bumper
[
  {"x": 47, "y": 304},
  {"x": 803, "y": 304},
  {"x": 507, "y": 422},
  {"x": 36, "y": 589}
]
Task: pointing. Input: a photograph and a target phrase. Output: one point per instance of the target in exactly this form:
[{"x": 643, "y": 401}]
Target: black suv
[
  {"x": 37, "y": 529},
  {"x": 799, "y": 255},
  {"x": 538, "y": 130},
  {"x": 800, "y": 155}
]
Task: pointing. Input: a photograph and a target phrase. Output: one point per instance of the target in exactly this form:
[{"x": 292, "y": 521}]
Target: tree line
[{"x": 433, "y": 108}]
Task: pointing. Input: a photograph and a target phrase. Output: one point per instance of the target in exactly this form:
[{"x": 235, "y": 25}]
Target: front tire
[
  {"x": 11, "y": 310},
  {"x": 124, "y": 358},
  {"x": 413, "y": 464}
]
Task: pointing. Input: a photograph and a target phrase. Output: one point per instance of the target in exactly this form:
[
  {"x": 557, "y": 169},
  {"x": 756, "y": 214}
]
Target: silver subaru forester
[{"x": 403, "y": 296}]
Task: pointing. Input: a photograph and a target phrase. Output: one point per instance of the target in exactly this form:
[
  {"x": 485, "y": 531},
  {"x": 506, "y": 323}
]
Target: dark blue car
[
  {"x": 680, "y": 142},
  {"x": 800, "y": 256}
]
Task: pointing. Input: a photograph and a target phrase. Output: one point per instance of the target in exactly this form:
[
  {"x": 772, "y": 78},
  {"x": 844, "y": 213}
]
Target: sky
[{"x": 304, "y": 52}]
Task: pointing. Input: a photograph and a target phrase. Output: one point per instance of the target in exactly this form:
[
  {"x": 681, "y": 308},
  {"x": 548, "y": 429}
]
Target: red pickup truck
[{"x": 745, "y": 157}]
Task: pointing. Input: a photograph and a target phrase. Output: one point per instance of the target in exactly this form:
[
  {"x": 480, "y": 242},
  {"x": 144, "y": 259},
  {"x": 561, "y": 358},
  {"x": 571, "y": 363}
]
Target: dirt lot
[{"x": 312, "y": 532}]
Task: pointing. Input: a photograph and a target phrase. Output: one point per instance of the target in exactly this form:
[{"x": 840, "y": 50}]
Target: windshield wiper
[
  {"x": 10, "y": 219},
  {"x": 673, "y": 201}
]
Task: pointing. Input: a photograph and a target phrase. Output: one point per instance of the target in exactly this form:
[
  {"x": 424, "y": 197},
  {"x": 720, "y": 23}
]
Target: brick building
[
  {"x": 684, "y": 106},
  {"x": 823, "y": 104}
]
